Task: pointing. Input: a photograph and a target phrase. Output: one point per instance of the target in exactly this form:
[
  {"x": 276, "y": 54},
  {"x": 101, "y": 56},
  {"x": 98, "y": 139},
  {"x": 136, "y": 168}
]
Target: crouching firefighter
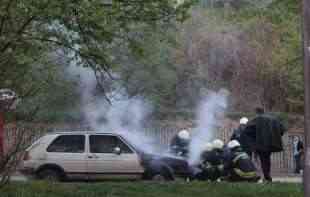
[
  {"x": 204, "y": 168},
  {"x": 180, "y": 143},
  {"x": 212, "y": 165},
  {"x": 239, "y": 166}
]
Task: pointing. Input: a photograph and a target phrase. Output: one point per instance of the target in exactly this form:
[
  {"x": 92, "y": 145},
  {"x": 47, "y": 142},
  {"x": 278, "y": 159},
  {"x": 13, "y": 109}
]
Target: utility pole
[{"x": 306, "y": 51}]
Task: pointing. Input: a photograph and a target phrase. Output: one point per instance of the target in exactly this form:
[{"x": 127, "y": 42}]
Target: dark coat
[
  {"x": 248, "y": 139},
  {"x": 267, "y": 131}
]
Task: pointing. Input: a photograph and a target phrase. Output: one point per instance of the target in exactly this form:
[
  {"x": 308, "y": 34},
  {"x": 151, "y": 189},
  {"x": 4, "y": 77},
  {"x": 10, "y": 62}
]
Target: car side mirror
[{"x": 117, "y": 150}]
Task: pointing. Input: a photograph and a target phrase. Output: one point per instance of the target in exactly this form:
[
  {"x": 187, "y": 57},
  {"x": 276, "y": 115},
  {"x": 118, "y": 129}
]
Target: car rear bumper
[
  {"x": 26, "y": 168},
  {"x": 27, "y": 171}
]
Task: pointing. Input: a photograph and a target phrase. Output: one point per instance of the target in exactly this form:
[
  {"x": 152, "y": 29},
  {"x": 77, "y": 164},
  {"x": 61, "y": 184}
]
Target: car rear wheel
[{"x": 50, "y": 175}]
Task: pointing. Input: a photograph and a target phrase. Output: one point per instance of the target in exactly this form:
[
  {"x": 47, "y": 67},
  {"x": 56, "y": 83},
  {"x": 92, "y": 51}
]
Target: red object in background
[{"x": 1, "y": 134}]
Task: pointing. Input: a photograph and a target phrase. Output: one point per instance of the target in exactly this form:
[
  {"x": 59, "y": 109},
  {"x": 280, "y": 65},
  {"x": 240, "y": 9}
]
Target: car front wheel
[
  {"x": 160, "y": 172},
  {"x": 50, "y": 175}
]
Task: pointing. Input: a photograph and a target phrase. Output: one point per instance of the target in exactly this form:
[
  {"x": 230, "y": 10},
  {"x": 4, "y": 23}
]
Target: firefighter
[
  {"x": 245, "y": 141},
  {"x": 240, "y": 166},
  {"x": 207, "y": 149},
  {"x": 180, "y": 143},
  {"x": 213, "y": 161},
  {"x": 204, "y": 168},
  {"x": 237, "y": 132}
]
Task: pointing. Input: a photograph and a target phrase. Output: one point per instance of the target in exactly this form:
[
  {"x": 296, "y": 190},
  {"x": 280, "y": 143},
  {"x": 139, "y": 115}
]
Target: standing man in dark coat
[{"x": 267, "y": 131}]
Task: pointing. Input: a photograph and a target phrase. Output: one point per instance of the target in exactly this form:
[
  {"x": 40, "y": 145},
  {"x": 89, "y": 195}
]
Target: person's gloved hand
[{"x": 220, "y": 167}]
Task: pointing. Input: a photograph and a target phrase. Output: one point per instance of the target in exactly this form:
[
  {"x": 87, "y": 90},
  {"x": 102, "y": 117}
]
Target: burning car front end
[{"x": 166, "y": 165}]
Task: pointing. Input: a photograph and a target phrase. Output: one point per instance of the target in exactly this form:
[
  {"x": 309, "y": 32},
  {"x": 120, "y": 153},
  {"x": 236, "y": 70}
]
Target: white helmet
[
  {"x": 208, "y": 147},
  {"x": 233, "y": 144},
  {"x": 218, "y": 144},
  {"x": 184, "y": 134},
  {"x": 244, "y": 120}
]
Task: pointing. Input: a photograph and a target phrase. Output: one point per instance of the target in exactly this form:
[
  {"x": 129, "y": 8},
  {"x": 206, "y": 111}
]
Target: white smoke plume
[
  {"x": 123, "y": 115},
  {"x": 210, "y": 113},
  {"x": 126, "y": 115}
]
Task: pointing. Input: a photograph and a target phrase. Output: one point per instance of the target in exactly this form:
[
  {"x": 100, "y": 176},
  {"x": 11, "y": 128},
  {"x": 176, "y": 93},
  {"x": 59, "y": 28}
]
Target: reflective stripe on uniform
[
  {"x": 241, "y": 156},
  {"x": 244, "y": 174}
]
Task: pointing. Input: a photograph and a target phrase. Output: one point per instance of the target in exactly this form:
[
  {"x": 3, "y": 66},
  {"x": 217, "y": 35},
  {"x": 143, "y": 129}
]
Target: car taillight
[{"x": 27, "y": 156}]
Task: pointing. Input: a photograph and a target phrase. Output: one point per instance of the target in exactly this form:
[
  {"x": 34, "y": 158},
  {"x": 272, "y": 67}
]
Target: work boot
[{"x": 268, "y": 180}]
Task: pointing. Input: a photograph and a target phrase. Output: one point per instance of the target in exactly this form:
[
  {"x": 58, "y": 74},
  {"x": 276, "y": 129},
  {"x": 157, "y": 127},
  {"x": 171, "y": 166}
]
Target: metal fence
[{"x": 282, "y": 162}]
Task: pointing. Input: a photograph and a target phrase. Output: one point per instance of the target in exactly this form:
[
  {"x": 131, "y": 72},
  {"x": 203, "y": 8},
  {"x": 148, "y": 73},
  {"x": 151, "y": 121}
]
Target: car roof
[
  {"x": 132, "y": 145},
  {"x": 92, "y": 133},
  {"x": 83, "y": 133}
]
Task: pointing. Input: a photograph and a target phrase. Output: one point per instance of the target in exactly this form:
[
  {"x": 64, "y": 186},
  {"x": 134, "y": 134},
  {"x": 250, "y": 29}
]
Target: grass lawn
[{"x": 148, "y": 189}]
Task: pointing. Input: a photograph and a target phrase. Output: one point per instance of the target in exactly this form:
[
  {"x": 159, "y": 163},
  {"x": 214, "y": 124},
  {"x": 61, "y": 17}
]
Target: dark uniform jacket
[
  {"x": 179, "y": 146},
  {"x": 237, "y": 133},
  {"x": 213, "y": 164},
  {"x": 267, "y": 132},
  {"x": 246, "y": 140}
]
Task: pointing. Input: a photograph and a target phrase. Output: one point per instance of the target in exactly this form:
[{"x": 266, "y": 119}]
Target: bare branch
[{"x": 18, "y": 33}]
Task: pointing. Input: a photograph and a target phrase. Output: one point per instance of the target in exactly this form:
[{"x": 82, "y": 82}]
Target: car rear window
[
  {"x": 68, "y": 144},
  {"x": 106, "y": 144}
]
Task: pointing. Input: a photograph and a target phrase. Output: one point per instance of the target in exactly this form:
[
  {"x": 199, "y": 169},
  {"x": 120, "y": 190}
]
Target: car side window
[
  {"x": 68, "y": 144},
  {"x": 106, "y": 144}
]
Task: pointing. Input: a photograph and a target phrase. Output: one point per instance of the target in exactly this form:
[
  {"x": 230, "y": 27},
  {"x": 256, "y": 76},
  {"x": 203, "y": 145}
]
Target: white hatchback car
[{"x": 91, "y": 155}]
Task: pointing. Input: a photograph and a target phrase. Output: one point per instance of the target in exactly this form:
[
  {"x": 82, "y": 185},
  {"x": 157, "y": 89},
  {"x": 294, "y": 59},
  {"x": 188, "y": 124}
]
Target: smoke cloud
[
  {"x": 209, "y": 114},
  {"x": 122, "y": 115},
  {"x": 125, "y": 115}
]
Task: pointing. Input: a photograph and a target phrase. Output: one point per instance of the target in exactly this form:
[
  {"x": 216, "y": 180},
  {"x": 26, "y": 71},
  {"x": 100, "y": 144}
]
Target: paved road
[
  {"x": 19, "y": 178},
  {"x": 288, "y": 179}
]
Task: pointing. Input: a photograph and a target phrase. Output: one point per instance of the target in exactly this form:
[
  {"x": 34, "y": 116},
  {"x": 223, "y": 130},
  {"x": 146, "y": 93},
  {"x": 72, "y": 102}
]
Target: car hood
[{"x": 177, "y": 164}]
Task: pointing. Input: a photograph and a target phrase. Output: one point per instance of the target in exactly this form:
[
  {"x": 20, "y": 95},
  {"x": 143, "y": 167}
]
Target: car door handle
[{"x": 92, "y": 156}]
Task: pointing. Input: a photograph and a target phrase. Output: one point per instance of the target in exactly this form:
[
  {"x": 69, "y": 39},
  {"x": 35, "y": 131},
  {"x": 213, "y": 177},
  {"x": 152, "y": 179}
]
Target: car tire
[{"x": 50, "y": 175}]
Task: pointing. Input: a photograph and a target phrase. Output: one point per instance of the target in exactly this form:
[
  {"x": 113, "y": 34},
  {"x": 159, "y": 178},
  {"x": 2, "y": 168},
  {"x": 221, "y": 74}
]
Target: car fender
[{"x": 51, "y": 166}]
